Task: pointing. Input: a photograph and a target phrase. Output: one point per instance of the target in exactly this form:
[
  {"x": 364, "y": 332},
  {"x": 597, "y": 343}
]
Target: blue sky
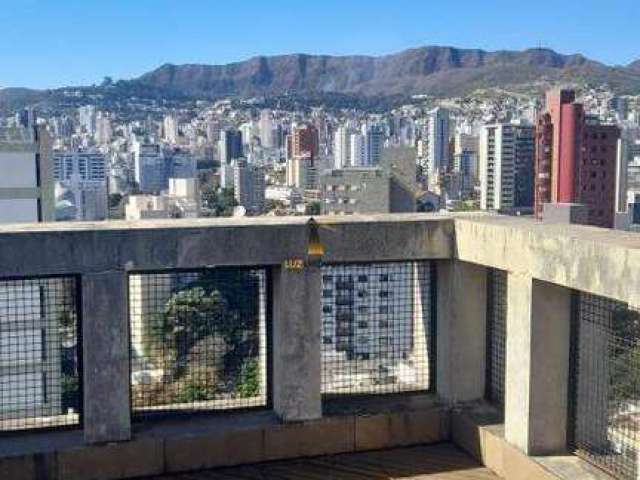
[{"x": 49, "y": 43}]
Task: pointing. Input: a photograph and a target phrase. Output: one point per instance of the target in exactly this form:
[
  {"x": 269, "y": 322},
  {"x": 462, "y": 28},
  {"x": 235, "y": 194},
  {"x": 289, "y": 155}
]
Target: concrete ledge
[
  {"x": 477, "y": 431},
  {"x": 182, "y": 446},
  {"x": 118, "y": 460},
  {"x": 310, "y": 439}
]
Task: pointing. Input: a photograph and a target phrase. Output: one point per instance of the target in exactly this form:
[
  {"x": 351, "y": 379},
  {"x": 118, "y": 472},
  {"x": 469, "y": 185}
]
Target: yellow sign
[{"x": 294, "y": 264}]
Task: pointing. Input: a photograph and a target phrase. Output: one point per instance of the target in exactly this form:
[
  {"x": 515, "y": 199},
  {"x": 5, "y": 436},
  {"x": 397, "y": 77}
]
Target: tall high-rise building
[
  {"x": 230, "y": 146},
  {"x": 575, "y": 159},
  {"x": 506, "y": 167},
  {"x": 374, "y": 138},
  {"x": 596, "y": 176},
  {"x": 87, "y": 119},
  {"x": 26, "y": 118},
  {"x": 26, "y": 182},
  {"x": 180, "y": 164},
  {"x": 170, "y": 129},
  {"x": 302, "y": 152},
  {"x": 304, "y": 141},
  {"x": 302, "y": 172},
  {"x": 149, "y": 168},
  {"x": 81, "y": 186},
  {"x": 103, "y": 129},
  {"x": 438, "y": 152},
  {"x": 341, "y": 148},
  {"x": 249, "y": 186},
  {"x": 358, "y": 150},
  {"x": 632, "y": 156},
  {"x": 267, "y": 139},
  {"x": 466, "y": 165}
]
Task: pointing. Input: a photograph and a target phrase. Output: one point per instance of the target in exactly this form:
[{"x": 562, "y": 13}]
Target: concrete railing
[{"x": 545, "y": 263}]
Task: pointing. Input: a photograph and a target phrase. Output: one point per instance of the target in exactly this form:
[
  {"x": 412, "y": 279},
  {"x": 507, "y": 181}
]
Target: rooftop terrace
[{"x": 132, "y": 349}]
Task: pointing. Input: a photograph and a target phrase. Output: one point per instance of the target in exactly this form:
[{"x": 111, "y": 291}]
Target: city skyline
[{"x": 125, "y": 41}]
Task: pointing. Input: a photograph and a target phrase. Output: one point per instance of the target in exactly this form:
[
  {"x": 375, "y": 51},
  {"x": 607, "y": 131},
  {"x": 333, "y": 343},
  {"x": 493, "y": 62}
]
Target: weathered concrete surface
[
  {"x": 105, "y": 344},
  {"x": 565, "y": 213},
  {"x": 39, "y": 249},
  {"x": 594, "y": 260},
  {"x": 386, "y": 237},
  {"x": 478, "y": 432},
  {"x": 537, "y": 367},
  {"x": 183, "y": 446},
  {"x": 461, "y": 332},
  {"x": 297, "y": 362}
]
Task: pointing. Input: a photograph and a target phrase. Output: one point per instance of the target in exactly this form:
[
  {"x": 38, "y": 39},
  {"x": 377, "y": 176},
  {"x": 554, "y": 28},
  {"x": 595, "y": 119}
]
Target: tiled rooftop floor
[{"x": 438, "y": 462}]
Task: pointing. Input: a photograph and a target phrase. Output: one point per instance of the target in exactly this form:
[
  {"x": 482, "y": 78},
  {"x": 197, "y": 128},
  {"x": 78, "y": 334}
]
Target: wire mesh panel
[
  {"x": 40, "y": 360},
  {"x": 496, "y": 335},
  {"x": 377, "y": 328},
  {"x": 198, "y": 341},
  {"x": 605, "y": 384}
]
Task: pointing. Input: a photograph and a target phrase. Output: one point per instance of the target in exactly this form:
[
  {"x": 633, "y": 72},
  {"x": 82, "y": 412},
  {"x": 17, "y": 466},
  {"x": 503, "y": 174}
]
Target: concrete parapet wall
[
  {"x": 544, "y": 263},
  {"x": 180, "y": 449},
  {"x": 594, "y": 260}
]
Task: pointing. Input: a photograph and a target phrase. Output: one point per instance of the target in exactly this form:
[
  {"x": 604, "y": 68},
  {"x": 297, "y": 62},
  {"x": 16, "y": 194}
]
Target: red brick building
[{"x": 575, "y": 159}]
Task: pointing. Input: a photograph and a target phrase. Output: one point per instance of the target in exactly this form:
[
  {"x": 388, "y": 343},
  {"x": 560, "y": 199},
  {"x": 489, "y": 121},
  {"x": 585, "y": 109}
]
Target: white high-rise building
[
  {"x": 87, "y": 119},
  {"x": 170, "y": 128},
  {"x": 506, "y": 167},
  {"x": 358, "y": 150},
  {"x": 341, "y": 148},
  {"x": 81, "y": 186},
  {"x": 266, "y": 129},
  {"x": 103, "y": 129},
  {"x": 438, "y": 152},
  {"x": 26, "y": 176}
]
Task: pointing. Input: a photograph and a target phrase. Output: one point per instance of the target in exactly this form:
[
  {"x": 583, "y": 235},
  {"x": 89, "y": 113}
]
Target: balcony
[{"x": 153, "y": 348}]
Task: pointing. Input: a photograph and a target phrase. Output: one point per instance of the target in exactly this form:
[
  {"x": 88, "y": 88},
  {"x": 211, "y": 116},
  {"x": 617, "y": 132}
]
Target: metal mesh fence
[
  {"x": 198, "y": 341},
  {"x": 377, "y": 328},
  {"x": 605, "y": 384},
  {"x": 40, "y": 363},
  {"x": 496, "y": 336}
]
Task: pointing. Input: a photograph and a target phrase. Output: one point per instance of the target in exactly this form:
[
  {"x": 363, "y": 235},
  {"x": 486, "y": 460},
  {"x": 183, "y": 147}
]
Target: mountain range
[
  {"x": 433, "y": 70},
  {"x": 438, "y": 71}
]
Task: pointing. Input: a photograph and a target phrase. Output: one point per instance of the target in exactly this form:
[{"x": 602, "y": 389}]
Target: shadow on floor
[{"x": 435, "y": 462}]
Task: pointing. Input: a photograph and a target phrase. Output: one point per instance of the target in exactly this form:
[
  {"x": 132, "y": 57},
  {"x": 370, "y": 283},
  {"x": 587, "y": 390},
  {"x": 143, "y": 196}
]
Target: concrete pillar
[
  {"x": 297, "y": 362},
  {"x": 461, "y": 331},
  {"x": 105, "y": 341},
  {"x": 537, "y": 369}
]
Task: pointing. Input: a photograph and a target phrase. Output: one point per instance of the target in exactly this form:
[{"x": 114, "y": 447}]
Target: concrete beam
[
  {"x": 105, "y": 357},
  {"x": 297, "y": 362},
  {"x": 594, "y": 260},
  {"x": 72, "y": 248},
  {"x": 461, "y": 332},
  {"x": 537, "y": 368}
]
